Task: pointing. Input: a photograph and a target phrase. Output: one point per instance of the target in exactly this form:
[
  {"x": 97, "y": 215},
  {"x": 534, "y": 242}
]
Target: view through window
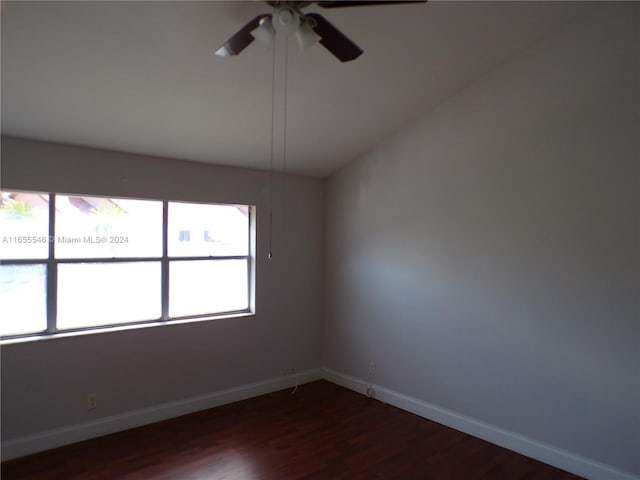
[{"x": 73, "y": 262}]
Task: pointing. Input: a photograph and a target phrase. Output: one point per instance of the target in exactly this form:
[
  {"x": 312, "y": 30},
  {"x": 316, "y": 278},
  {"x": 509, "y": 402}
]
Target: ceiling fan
[{"x": 309, "y": 28}]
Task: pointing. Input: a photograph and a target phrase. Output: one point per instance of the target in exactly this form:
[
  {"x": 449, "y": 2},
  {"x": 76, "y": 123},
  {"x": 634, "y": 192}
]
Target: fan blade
[
  {"x": 339, "y": 4},
  {"x": 334, "y": 40},
  {"x": 241, "y": 39}
]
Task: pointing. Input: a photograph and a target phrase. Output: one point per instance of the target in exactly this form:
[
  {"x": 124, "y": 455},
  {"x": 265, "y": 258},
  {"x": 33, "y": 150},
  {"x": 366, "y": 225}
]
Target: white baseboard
[
  {"x": 548, "y": 454},
  {"x": 76, "y": 433},
  {"x": 543, "y": 452}
]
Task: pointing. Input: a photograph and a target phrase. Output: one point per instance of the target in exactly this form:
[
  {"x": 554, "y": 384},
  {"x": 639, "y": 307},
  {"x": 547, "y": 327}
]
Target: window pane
[
  {"x": 207, "y": 286},
  {"x": 24, "y": 225},
  {"x": 201, "y": 230},
  {"x": 23, "y": 299},
  {"x": 92, "y": 294},
  {"x": 95, "y": 227}
]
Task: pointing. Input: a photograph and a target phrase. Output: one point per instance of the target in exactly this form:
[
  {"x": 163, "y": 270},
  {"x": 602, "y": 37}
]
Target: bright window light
[
  {"x": 24, "y": 225},
  {"x": 94, "y": 294},
  {"x": 200, "y": 230},
  {"x": 23, "y": 299},
  {"x": 96, "y": 227},
  {"x": 221, "y": 286}
]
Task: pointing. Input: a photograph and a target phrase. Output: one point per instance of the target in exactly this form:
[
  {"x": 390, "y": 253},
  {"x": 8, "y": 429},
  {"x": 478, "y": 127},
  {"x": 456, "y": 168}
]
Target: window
[
  {"x": 209, "y": 270},
  {"x": 73, "y": 262}
]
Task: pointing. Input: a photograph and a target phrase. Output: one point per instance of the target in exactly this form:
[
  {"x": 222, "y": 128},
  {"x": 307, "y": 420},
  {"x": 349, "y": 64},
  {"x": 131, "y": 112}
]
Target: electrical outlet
[
  {"x": 92, "y": 401},
  {"x": 370, "y": 392},
  {"x": 372, "y": 368}
]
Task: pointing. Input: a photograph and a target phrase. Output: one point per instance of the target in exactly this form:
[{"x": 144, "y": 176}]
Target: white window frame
[{"x": 165, "y": 260}]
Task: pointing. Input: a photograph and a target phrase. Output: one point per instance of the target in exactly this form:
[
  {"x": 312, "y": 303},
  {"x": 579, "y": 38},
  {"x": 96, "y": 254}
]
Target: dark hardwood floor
[{"x": 323, "y": 431}]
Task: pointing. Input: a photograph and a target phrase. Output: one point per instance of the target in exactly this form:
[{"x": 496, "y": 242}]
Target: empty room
[{"x": 260, "y": 240}]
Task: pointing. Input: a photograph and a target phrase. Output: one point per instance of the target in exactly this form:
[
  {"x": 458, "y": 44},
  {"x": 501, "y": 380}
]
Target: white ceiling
[{"x": 141, "y": 76}]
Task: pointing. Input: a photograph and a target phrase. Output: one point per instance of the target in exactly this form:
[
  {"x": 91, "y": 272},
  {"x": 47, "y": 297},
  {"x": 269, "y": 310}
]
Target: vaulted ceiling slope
[{"x": 141, "y": 77}]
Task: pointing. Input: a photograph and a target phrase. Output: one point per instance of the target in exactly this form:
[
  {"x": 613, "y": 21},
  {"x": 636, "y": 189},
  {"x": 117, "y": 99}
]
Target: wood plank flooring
[{"x": 323, "y": 431}]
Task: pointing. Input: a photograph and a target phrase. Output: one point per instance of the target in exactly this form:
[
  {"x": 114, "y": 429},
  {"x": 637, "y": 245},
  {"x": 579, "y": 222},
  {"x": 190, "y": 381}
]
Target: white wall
[
  {"x": 487, "y": 256},
  {"x": 45, "y": 383}
]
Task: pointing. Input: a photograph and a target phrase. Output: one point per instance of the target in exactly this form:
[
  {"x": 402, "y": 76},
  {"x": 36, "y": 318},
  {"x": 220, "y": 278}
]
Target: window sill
[{"x": 118, "y": 328}]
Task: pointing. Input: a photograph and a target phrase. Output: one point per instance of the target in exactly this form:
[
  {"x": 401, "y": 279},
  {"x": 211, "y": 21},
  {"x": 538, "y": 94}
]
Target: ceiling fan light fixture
[
  {"x": 306, "y": 36},
  {"x": 264, "y": 33},
  {"x": 286, "y": 20}
]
